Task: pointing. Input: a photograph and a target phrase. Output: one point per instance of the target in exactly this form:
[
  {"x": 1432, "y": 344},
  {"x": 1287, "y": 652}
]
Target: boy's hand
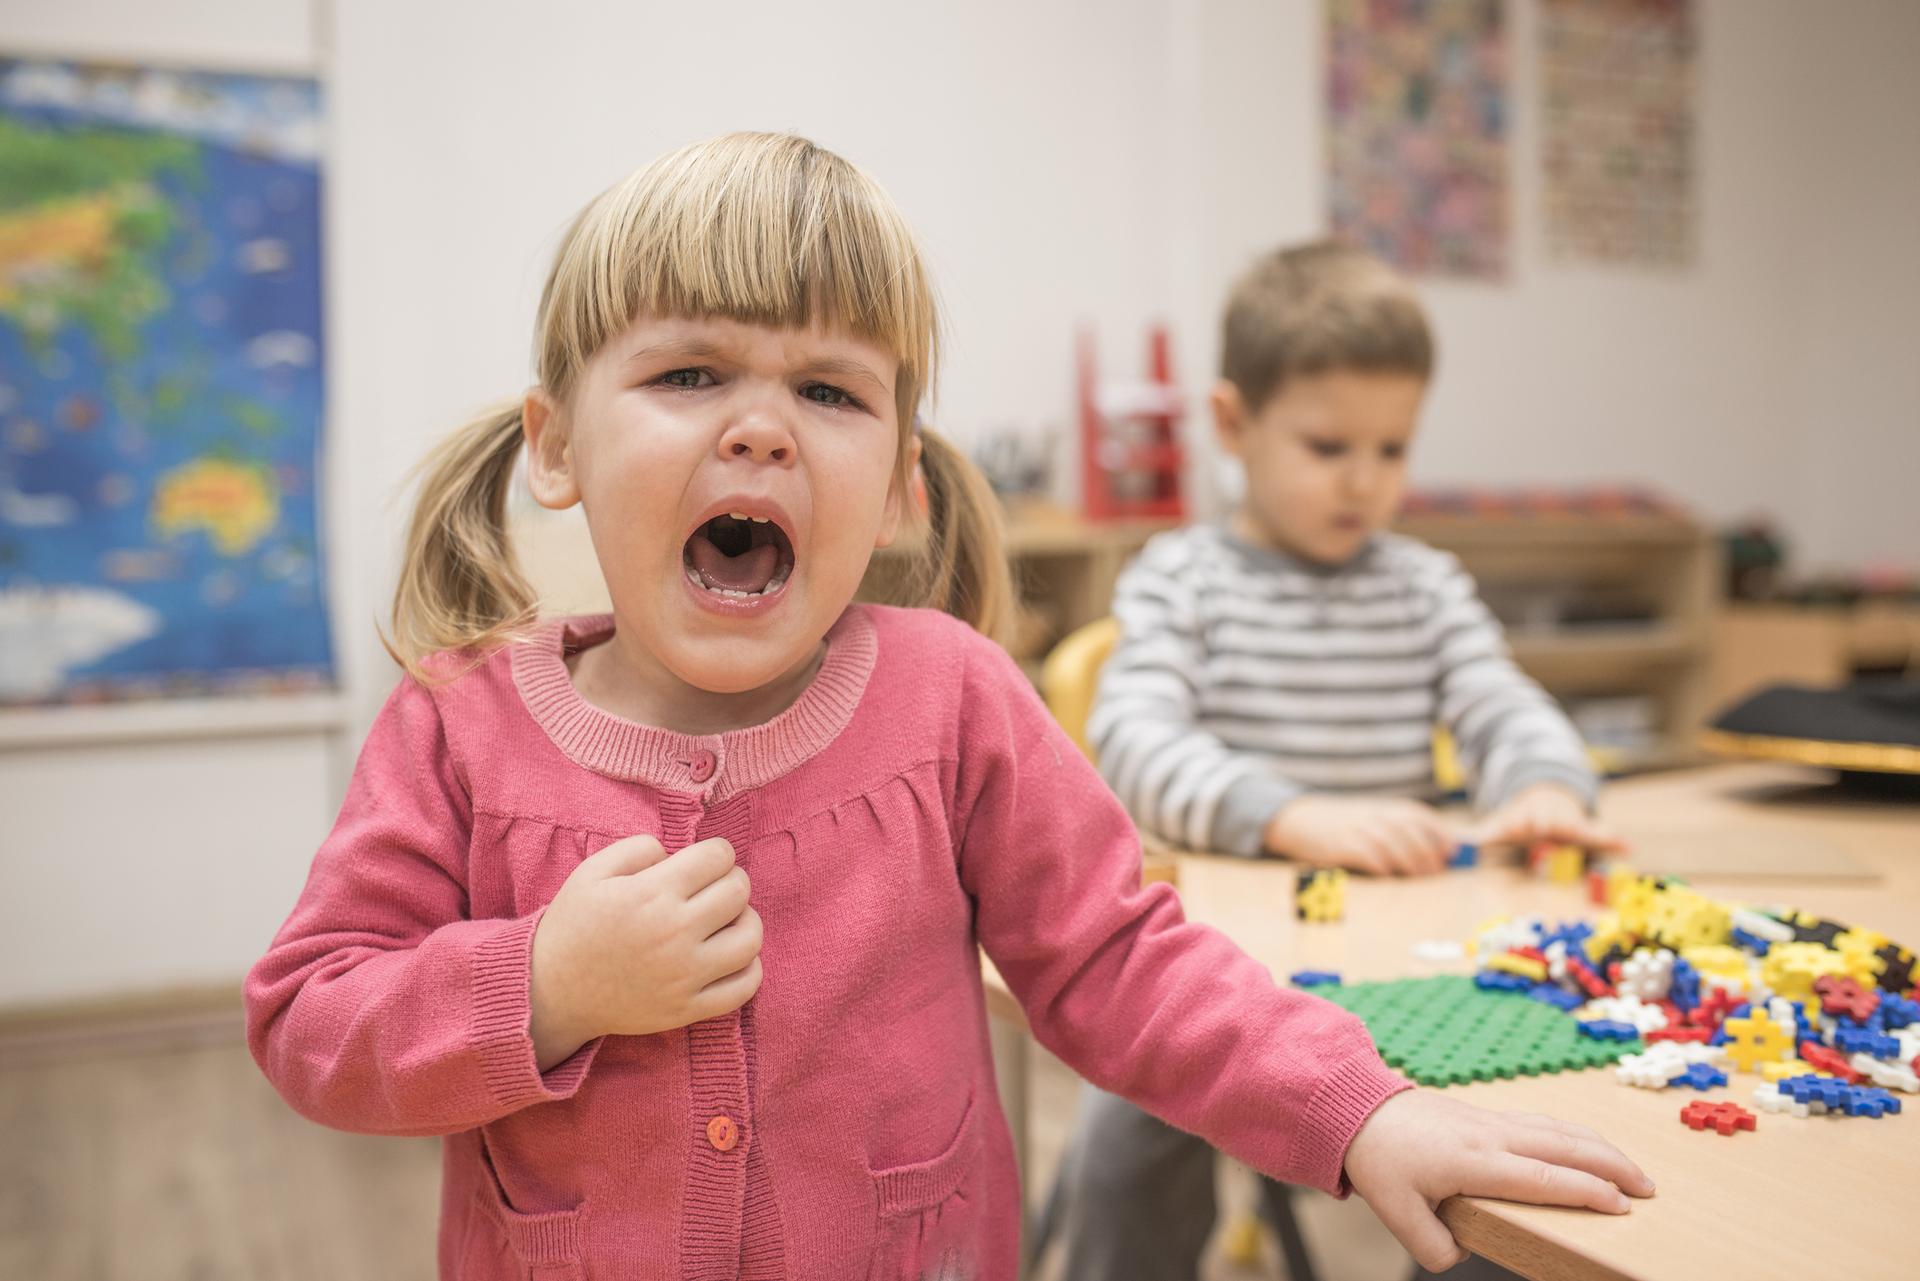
[
  {"x": 641, "y": 941},
  {"x": 1369, "y": 834},
  {"x": 1547, "y": 812},
  {"x": 1419, "y": 1148}
]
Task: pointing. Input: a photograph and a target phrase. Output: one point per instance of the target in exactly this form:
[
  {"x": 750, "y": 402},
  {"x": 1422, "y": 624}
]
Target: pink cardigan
[{"x": 915, "y": 803}]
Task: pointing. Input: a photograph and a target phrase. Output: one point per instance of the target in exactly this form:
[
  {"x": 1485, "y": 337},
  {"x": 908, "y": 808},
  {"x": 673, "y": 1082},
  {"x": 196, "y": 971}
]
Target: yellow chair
[{"x": 1071, "y": 675}]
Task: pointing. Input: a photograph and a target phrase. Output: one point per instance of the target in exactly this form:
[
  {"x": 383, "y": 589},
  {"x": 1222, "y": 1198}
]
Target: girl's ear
[
  {"x": 549, "y": 452},
  {"x": 917, "y": 495}
]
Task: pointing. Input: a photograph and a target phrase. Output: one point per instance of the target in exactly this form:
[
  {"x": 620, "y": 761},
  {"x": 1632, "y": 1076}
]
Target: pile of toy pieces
[{"x": 1826, "y": 1014}]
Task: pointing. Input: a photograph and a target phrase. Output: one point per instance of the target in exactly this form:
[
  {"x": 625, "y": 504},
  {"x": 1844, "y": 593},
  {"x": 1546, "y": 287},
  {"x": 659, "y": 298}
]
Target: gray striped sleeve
[
  {"x": 1179, "y": 781},
  {"x": 1510, "y": 733}
]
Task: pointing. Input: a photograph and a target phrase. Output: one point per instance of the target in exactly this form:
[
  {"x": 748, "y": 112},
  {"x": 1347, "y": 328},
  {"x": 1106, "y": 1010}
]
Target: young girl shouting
[{"x": 668, "y": 920}]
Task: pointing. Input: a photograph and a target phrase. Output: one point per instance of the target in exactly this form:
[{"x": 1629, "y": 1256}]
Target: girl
[{"x": 532, "y": 930}]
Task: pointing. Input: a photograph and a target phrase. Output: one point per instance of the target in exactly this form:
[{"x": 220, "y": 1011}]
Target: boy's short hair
[{"x": 1319, "y": 307}]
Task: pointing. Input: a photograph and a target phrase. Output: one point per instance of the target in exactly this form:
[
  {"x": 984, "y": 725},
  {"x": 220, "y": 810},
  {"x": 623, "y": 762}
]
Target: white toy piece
[
  {"x": 1889, "y": 1076},
  {"x": 1625, "y": 1009},
  {"x": 1760, "y": 926},
  {"x": 1768, "y": 1098},
  {"x": 1646, "y": 975},
  {"x": 1663, "y": 1061}
]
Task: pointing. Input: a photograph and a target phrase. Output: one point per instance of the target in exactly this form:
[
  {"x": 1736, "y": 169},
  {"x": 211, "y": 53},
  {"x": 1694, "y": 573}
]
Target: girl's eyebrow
[
  {"x": 677, "y": 348},
  {"x": 844, "y": 367}
]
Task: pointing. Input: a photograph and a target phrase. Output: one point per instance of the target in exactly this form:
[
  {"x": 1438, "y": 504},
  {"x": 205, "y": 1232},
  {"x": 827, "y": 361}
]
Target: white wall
[{"x": 1108, "y": 160}]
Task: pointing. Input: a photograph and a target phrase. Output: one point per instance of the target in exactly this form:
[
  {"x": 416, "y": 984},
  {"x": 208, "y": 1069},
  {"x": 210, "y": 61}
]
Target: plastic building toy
[
  {"x": 1646, "y": 974},
  {"x": 1701, "y": 1076},
  {"x": 1321, "y": 895},
  {"x": 1512, "y": 962},
  {"x": 1495, "y": 981},
  {"x": 1756, "y": 1039},
  {"x": 1723, "y": 1117},
  {"x": 1559, "y": 998},
  {"x": 1465, "y": 854},
  {"x": 1841, "y": 995},
  {"x": 1860, "y": 1040},
  {"x": 1608, "y": 1030},
  {"x": 1446, "y": 1031},
  {"x": 1824, "y": 1058},
  {"x": 1888, "y": 1076},
  {"x": 1769, "y": 1099},
  {"x": 1314, "y": 978}
]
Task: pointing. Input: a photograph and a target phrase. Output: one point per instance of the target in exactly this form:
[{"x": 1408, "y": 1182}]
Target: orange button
[{"x": 723, "y": 1133}]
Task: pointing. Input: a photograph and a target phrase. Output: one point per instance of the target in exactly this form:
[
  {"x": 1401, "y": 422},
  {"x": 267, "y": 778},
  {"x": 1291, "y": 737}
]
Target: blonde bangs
[{"x": 765, "y": 229}]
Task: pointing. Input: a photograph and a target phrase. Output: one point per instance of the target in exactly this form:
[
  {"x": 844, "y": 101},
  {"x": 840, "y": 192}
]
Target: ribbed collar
[{"x": 738, "y": 760}]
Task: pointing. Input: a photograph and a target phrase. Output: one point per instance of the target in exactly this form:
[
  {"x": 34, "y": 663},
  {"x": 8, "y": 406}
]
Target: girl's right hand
[
  {"x": 641, "y": 941},
  {"x": 1419, "y": 1148}
]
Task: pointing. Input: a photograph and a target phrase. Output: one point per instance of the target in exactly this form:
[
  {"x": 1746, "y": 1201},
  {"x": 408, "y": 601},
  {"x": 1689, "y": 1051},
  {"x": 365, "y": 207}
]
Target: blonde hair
[
  {"x": 1316, "y": 308},
  {"x": 761, "y": 228}
]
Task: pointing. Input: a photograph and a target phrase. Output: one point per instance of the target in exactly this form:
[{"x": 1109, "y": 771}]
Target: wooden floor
[{"x": 153, "y": 1150}]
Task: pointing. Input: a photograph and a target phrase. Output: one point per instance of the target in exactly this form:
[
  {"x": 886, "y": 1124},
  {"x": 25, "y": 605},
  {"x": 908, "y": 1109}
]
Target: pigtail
[
  {"x": 963, "y": 566},
  {"x": 459, "y": 584}
]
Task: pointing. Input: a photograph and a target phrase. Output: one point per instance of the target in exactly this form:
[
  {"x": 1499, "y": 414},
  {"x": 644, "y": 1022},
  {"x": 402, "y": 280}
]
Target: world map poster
[{"x": 161, "y": 381}]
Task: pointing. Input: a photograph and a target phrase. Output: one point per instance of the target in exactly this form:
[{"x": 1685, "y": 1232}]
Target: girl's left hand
[
  {"x": 1420, "y": 1147},
  {"x": 1547, "y": 812}
]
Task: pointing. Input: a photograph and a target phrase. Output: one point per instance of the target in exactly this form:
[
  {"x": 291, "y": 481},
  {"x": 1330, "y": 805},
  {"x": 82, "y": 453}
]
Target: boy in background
[{"x": 1278, "y": 678}]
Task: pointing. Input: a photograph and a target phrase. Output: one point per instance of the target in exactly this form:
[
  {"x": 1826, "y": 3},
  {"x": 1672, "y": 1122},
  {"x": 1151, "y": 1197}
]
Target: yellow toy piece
[
  {"x": 1860, "y": 949},
  {"x": 1756, "y": 1039},
  {"x": 1681, "y": 918},
  {"x": 1619, "y": 876},
  {"x": 1781, "y": 1069},
  {"x": 1525, "y": 966},
  {"x": 1606, "y": 936},
  {"x": 1719, "y": 961},
  {"x": 1565, "y": 864},
  {"x": 1634, "y": 902},
  {"x": 1791, "y": 969},
  {"x": 1322, "y": 895}
]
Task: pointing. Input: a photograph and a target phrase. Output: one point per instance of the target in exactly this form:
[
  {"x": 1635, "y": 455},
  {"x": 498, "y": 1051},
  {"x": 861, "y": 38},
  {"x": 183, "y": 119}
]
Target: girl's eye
[
  {"x": 1393, "y": 452},
  {"x": 687, "y": 378},
  {"x": 827, "y": 394},
  {"x": 1327, "y": 448}
]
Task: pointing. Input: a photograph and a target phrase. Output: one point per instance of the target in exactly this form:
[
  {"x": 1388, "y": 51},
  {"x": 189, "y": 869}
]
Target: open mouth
[{"x": 739, "y": 556}]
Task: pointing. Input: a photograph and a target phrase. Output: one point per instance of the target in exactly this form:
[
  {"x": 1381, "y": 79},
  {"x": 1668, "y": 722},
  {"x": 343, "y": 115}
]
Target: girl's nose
[{"x": 759, "y": 434}]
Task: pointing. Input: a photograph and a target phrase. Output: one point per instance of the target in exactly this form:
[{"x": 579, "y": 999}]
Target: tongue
[{"x": 750, "y": 571}]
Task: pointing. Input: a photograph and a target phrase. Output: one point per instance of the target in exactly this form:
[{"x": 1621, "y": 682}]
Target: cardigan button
[
  {"x": 723, "y": 1133},
  {"x": 701, "y": 766}
]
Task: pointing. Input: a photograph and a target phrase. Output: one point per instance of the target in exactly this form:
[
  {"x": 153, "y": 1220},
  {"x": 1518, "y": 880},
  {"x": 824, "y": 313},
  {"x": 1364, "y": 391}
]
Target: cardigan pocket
[
  {"x": 503, "y": 1242},
  {"x": 929, "y": 1212}
]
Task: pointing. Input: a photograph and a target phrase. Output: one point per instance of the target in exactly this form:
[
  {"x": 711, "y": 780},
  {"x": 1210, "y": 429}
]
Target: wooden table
[{"x": 1797, "y": 1198}]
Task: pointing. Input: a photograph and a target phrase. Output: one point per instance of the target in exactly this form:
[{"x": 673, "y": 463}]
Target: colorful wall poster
[
  {"x": 161, "y": 381},
  {"x": 1617, "y": 130},
  {"x": 1417, "y": 132}
]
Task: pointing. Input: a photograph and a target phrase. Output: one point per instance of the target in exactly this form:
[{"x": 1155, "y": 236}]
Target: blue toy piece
[
  {"x": 1465, "y": 854},
  {"x": 1558, "y": 997},
  {"x": 1684, "y": 987},
  {"x": 1701, "y": 1076},
  {"x": 1315, "y": 978},
  {"x": 1499, "y": 981},
  {"x": 1610, "y": 1030},
  {"x": 1862, "y": 1040},
  {"x": 1898, "y": 1011},
  {"x": 1751, "y": 942}
]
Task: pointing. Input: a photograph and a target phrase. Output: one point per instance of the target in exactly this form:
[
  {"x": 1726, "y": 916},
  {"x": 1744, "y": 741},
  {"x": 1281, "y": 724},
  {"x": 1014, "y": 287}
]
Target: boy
[{"x": 1278, "y": 678}]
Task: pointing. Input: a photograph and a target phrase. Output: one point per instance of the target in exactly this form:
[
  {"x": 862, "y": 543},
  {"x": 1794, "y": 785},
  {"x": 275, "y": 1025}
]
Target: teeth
[
  {"x": 761, "y": 520},
  {"x": 738, "y": 516}
]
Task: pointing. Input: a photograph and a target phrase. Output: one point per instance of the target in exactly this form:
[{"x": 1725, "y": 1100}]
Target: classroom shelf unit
[{"x": 1605, "y": 610}]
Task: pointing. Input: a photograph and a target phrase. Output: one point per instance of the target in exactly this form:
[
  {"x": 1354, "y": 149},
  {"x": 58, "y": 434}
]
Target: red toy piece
[
  {"x": 1531, "y": 953},
  {"x": 1840, "y": 995},
  {"x": 1592, "y": 984},
  {"x": 1674, "y": 1032},
  {"x": 1828, "y": 1060},
  {"x": 1724, "y": 1117}
]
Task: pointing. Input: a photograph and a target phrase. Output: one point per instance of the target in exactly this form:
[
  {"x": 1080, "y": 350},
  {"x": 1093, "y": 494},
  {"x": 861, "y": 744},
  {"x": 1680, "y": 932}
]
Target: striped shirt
[{"x": 1244, "y": 677}]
